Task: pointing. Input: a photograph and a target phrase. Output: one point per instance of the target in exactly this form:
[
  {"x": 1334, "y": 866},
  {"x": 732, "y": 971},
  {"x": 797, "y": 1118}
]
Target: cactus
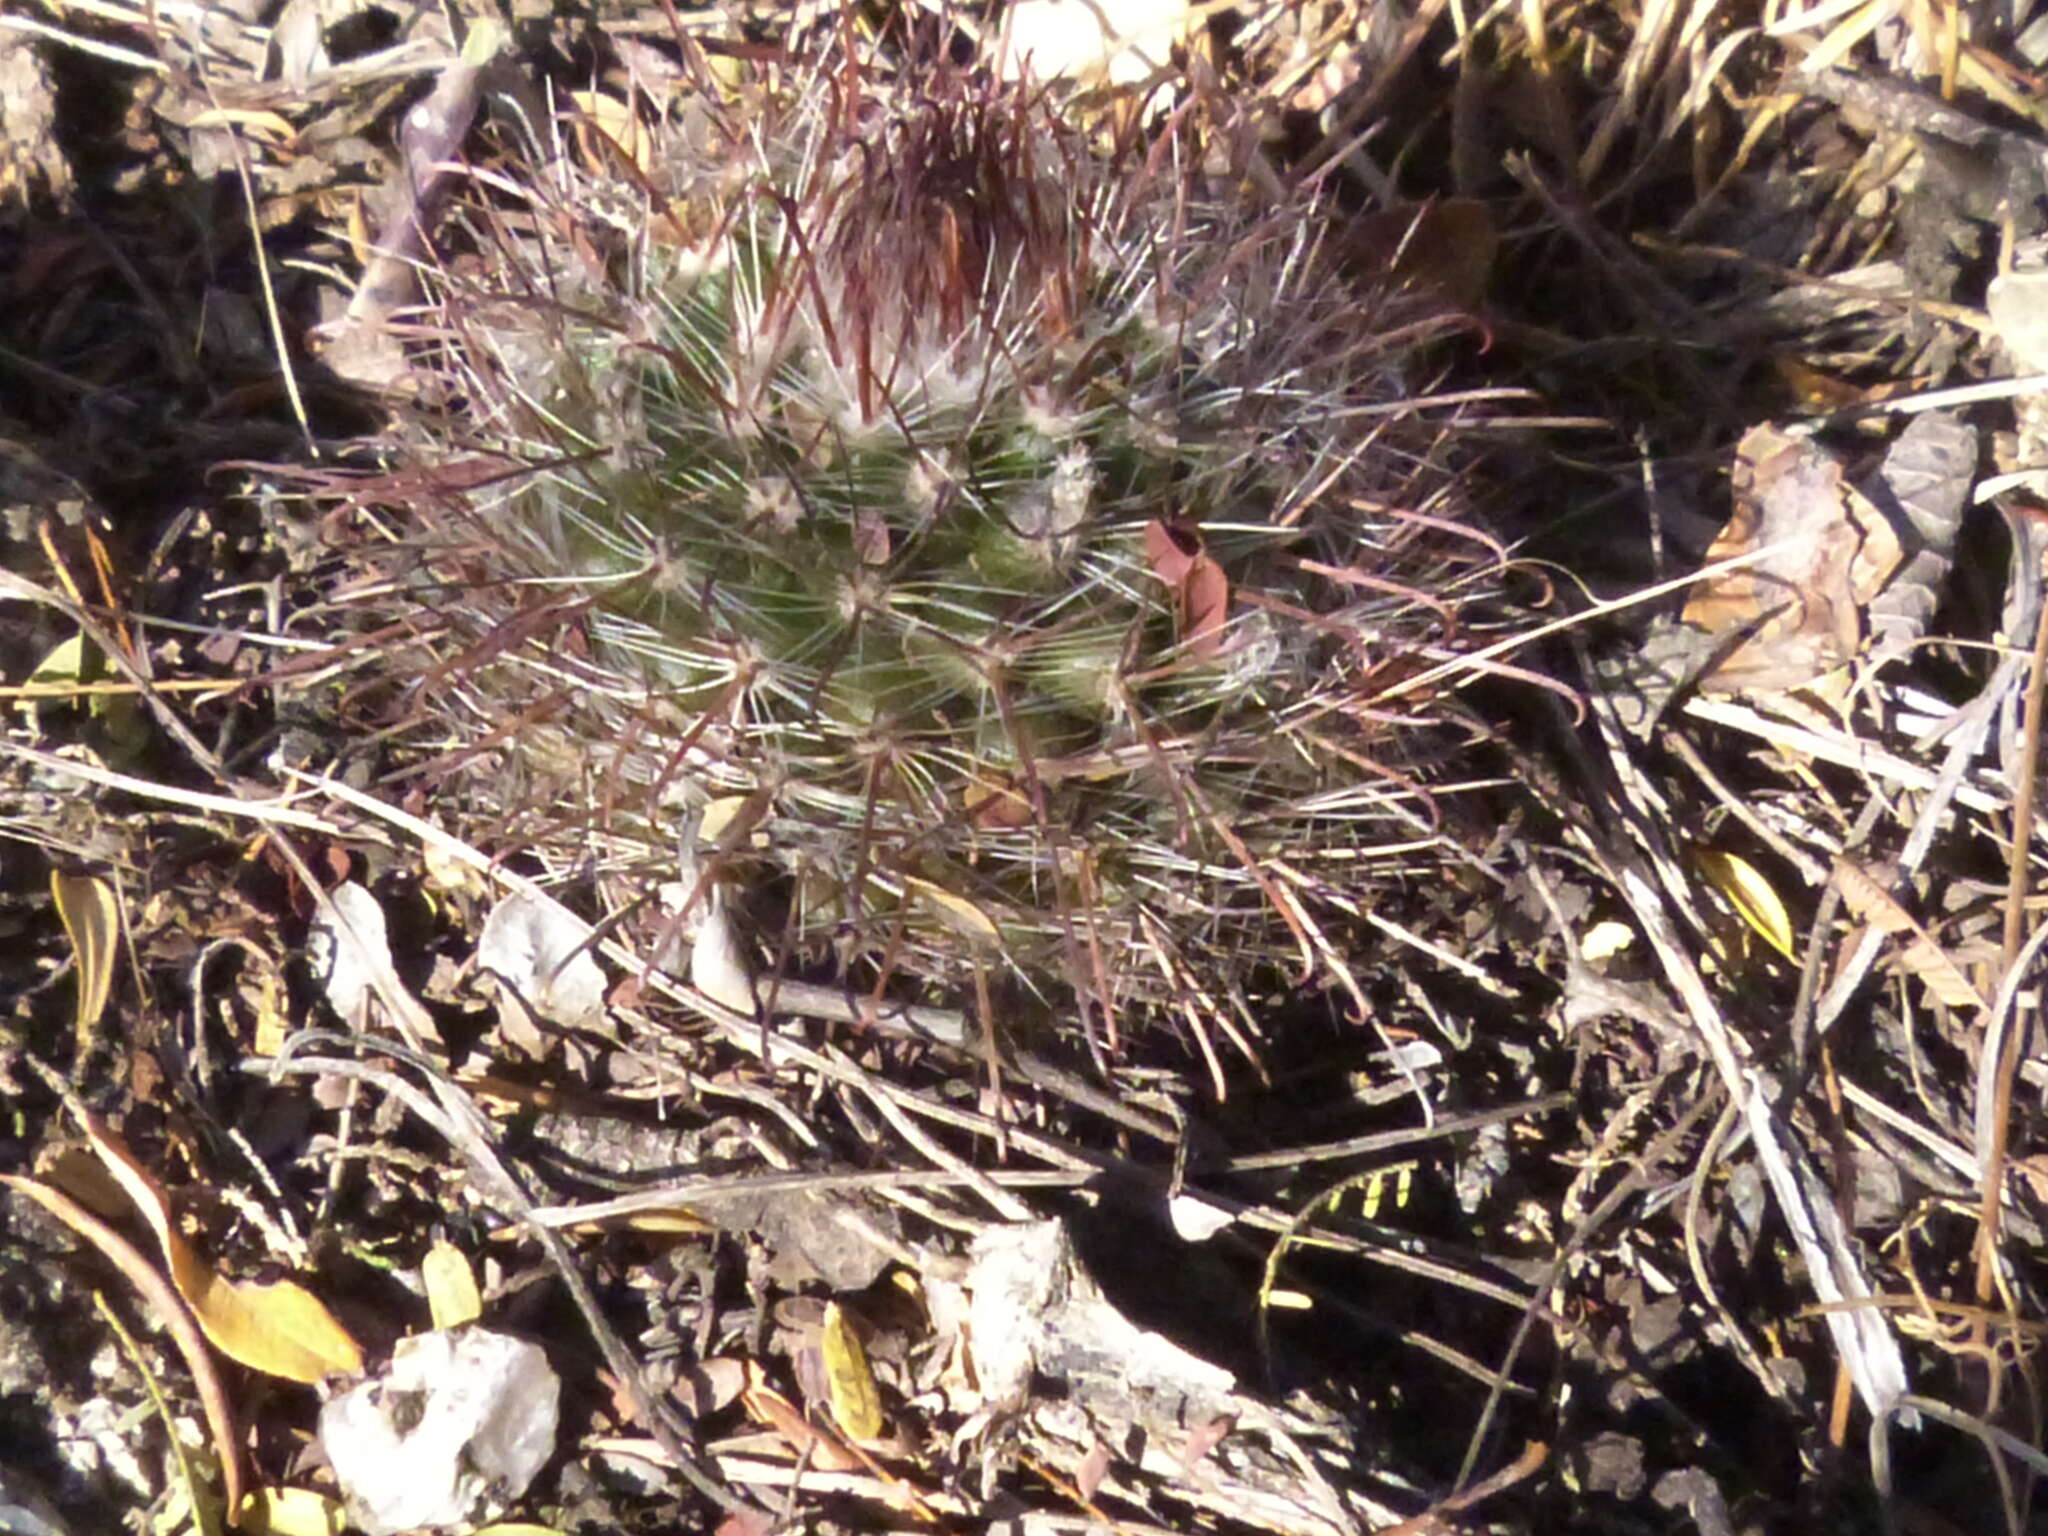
[{"x": 1027, "y": 523}]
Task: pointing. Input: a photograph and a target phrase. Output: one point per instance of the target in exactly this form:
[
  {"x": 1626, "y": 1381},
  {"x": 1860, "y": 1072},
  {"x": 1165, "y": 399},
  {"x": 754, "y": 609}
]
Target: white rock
[{"x": 448, "y": 1438}]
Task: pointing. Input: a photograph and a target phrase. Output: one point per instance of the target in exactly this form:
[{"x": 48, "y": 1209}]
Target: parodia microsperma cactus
[{"x": 1031, "y": 528}]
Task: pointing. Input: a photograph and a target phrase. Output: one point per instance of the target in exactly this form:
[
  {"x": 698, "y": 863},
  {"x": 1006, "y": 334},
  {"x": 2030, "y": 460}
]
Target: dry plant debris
[{"x": 1556, "y": 1067}]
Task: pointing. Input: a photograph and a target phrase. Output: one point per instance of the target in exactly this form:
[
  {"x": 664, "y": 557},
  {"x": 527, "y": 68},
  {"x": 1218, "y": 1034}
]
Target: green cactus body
[{"x": 859, "y": 484}]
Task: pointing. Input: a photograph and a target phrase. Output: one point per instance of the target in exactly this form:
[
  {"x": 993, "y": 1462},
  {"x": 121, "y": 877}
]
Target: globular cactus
[{"x": 1030, "y": 526}]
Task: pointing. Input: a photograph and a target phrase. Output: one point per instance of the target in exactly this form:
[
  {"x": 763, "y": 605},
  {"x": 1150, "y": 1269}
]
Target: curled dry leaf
[
  {"x": 957, "y": 912},
  {"x": 1201, "y": 592},
  {"x": 541, "y": 950},
  {"x": 1821, "y": 552},
  {"x": 771, "y": 1408}
]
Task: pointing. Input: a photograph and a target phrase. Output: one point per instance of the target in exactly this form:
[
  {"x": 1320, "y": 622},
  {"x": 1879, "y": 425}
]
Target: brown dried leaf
[
  {"x": 1201, "y": 592},
  {"x": 1919, "y": 954},
  {"x": 1170, "y": 550},
  {"x": 1204, "y": 606},
  {"x": 1445, "y": 246},
  {"x": 1922, "y": 488},
  {"x": 769, "y": 1407},
  {"x": 1093, "y": 1469},
  {"x": 1794, "y": 614}
]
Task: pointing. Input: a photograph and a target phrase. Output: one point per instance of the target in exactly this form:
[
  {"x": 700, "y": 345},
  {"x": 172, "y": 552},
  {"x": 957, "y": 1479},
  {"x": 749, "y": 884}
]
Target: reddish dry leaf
[
  {"x": 1919, "y": 954},
  {"x": 1093, "y": 1469},
  {"x": 1201, "y": 592},
  {"x": 1204, "y": 606},
  {"x": 1445, "y": 246},
  {"x": 993, "y": 805},
  {"x": 770, "y": 1408},
  {"x": 1204, "y": 1438},
  {"x": 1170, "y": 550}
]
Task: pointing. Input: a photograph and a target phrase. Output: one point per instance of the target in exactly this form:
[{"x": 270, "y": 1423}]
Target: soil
[{"x": 1591, "y": 1298}]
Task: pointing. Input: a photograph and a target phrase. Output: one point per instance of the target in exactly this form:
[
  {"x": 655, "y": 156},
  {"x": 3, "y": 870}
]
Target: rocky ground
[{"x": 1621, "y": 1115}]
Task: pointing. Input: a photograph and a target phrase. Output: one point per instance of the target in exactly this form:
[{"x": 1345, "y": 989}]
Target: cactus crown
[{"x": 1026, "y": 526}]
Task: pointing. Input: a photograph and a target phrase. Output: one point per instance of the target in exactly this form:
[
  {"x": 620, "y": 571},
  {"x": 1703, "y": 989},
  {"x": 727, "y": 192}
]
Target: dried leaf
[
  {"x": 850, "y": 1383},
  {"x": 719, "y": 965},
  {"x": 1793, "y": 614},
  {"x": 872, "y": 543},
  {"x": 1750, "y": 894},
  {"x": 264, "y": 125},
  {"x": 1093, "y": 1469},
  {"x": 771, "y": 1408},
  {"x": 541, "y": 950},
  {"x": 280, "y": 1328},
  {"x": 351, "y": 951},
  {"x": 1922, "y": 487},
  {"x": 452, "y": 1296},
  {"x": 711, "y": 1384},
  {"x": 994, "y": 805},
  {"x": 1102, "y": 42},
  {"x": 957, "y": 912},
  {"x": 1201, "y": 592},
  {"x": 618, "y": 122},
  {"x": 1919, "y": 954},
  {"x": 92, "y": 920},
  {"x": 1204, "y": 606},
  {"x": 2018, "y": 305},
  {"x": 1171, "y": 550},
  {"x": 1194, "y": 1219}
]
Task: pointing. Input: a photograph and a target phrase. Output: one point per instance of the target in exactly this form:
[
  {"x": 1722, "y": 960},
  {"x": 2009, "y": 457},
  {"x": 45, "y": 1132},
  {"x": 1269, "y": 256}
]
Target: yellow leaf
[
  {"x": 290, "y": 1512},
  {"x": 281, "y": 1329},
  {"x": 265, "y": 125},
  {"x": 617, "y": 121},
  {"x": 451, "y": 1289},
  {"x": 957, "y": 912},
  {"x": 274, "y": 1023},
  {"x": 487, "y": 39},
  {"x": 1606, "y": 939},
  {"x": 92, "y": 918},
  {"x": 1750, "y": 894},
  {"x": 855, "y": 1402}
]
